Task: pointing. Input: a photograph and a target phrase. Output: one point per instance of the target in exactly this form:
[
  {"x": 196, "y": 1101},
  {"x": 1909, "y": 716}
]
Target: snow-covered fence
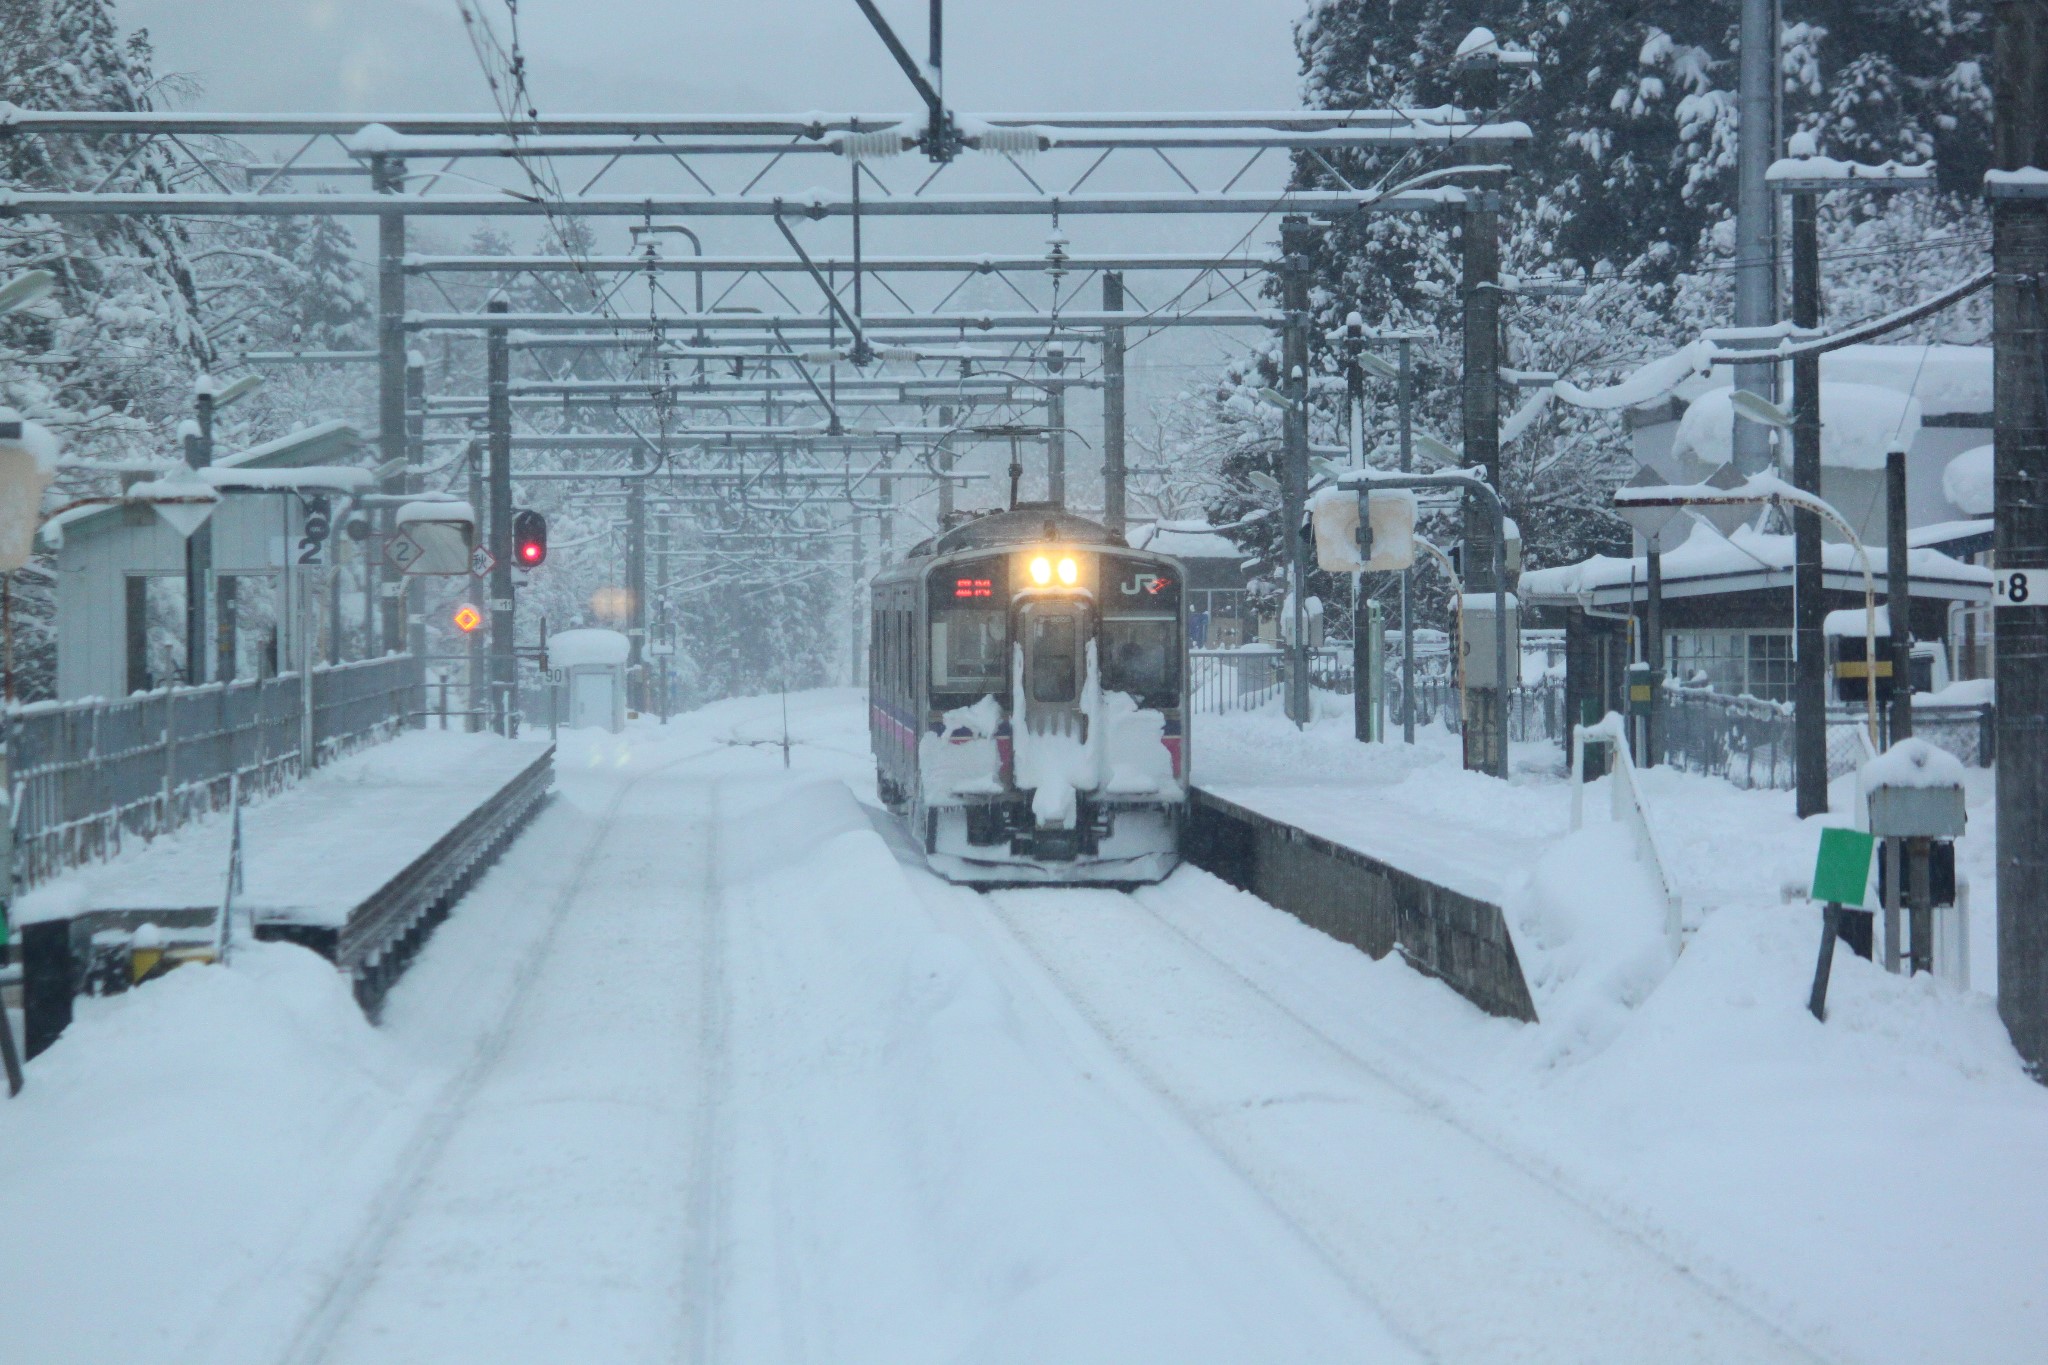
[
  {"x": 1629, "y": 809},
  {"x": 84, "y": 776},
  {"x": 1746, "y": 740}
]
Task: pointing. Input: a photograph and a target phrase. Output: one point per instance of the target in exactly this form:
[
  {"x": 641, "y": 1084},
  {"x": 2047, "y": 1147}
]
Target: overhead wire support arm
[
  {"x": 941, "y": 141},
  {"x": 860, "y": 344}
]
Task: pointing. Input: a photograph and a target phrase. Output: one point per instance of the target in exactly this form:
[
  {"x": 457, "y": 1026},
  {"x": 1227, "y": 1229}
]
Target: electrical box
[
  {"x": 1482, "y": 666},
  {"x": 1916, "y": 812},
  {"x": 1642, "y": 689}
]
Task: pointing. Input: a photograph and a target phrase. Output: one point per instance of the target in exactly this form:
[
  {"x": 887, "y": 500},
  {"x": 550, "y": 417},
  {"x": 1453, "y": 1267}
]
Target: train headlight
[
  {"x": 1069, "y": 572},
  {"x": 1041, "y": 570}
]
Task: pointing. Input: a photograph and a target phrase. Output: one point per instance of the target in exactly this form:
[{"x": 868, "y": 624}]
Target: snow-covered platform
[{"x": 347, "y": 861}]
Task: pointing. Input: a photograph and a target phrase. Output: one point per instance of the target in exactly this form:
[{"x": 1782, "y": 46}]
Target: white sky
[
  {"x": 686, "y": 56},
  {"x": 748, "y": 55}
]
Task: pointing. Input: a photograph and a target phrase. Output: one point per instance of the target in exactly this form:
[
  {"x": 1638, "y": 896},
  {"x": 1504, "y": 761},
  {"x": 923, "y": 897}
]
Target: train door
[{"x": 1053, "y": 633}]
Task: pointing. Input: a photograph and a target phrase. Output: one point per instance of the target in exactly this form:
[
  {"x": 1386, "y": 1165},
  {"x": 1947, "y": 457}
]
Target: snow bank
[
  {"x": 1967, "y": 482},
  {"x": 173, "y": 1143}
]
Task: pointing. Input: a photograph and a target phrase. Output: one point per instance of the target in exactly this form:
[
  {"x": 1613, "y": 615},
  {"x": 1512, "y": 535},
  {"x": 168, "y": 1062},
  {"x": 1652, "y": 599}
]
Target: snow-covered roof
[
  {"x": 589, "y": 647},
  {"x": 1850, "y": 621},
  {"x": 1709, "y": 562},
  {"x": 1946, "y": 379},
  {"x": 436, "y": 509},
  {"x": 320, "y": 443},
  {"x": 319, "y": 478},
  {"x": 1185, "y": 540},
  {"x": 1859, "y": 424},
  {"x": 1967, "y": 482},
  {"x": 1942, "y": 533}
]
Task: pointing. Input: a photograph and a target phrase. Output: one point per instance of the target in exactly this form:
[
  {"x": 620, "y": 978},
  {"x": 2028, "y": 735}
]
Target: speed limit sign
[{"x": 2017, "y": 588}]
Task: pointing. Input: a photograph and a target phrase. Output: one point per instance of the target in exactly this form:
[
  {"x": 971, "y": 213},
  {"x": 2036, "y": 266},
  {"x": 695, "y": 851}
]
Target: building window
[{"x": 1735, "y": 663}]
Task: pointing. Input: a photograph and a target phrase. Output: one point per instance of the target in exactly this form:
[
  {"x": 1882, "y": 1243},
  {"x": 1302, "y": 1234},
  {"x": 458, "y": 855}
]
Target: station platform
[{"x": 356, "y": 862}]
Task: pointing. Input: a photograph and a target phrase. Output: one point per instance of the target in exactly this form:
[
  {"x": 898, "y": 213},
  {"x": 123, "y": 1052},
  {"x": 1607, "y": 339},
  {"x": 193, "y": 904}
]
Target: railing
[
  {"x": 1630, "y": 810},
  {"x": 85, "y": 776}
]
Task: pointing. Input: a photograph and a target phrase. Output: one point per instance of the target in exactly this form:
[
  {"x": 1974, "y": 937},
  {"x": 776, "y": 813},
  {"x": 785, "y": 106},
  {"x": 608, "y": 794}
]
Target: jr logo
[{"x": 1146, "y": 585}]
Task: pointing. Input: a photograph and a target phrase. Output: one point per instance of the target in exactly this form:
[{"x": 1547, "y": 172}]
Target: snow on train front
[{"x": 1028, "y": 701}]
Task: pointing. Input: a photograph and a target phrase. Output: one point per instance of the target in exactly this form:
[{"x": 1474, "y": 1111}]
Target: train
[{"x": 1028, "y": 701}]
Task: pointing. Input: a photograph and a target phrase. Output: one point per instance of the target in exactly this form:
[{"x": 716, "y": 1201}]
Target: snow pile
[
  {"x": 174, "y": 1141},
  {"x": 1057, "y": 754},
  {"x": 966, "y": 760},
  {"x": 1859, "y": 424},
  {"x": 436, "y": 510},
  {"x": 1588, "y": 925},
  {"x": 1967, "y": 482},
  {"x": 1135, "y": 759},
  {"x": 1946, "y": 378},
  {"x": 1648, "y": 384},
  {"x": 590, "y": 647}
]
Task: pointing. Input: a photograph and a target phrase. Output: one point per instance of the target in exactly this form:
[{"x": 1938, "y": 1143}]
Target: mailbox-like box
[{"x": 1915, "y": 791}]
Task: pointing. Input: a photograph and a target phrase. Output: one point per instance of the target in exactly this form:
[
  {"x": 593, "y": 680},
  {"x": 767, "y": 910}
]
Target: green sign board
[{"x": 1842, "y": 871}]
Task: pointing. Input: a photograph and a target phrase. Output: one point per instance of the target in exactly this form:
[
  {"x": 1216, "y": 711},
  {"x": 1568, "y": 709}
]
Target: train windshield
[
  {"x": 968, "y": 648},
  {"x": 1141, "y": 655}
]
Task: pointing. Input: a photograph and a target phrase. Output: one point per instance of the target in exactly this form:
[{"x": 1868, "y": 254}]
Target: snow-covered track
[{"x": 1470, "y": 1248}]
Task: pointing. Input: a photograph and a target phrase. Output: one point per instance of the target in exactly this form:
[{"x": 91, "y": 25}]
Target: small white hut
[{"x": 593, "y": 667}]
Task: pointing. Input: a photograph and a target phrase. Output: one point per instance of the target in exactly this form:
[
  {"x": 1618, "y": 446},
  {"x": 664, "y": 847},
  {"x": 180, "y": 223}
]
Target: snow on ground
[{"x": 710, "y": 1068}]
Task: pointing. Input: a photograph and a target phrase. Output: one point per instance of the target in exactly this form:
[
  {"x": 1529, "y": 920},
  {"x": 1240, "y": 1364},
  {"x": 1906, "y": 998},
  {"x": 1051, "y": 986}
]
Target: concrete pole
[
  {"x": 1406, "y": 400},
  {"x": 1294, "y": 244},
  {"x": 1056, "y": 437},
  {"x": 636, "y": 586},
  {"x": 1484, "y": 748},
  {"x": 2019, "y": 254},
  {"x": 1113, "y": 510},
  {"x": 415, "y": 590},
  {"x": 1756, "y": 256},
  {"x": 1653, "y": 647},
  {"x": 198, "y": 553},
  {"x": 1898, "y": 595},
  {"x": 1810, "y": 677},
  {"x": 479, "y": 664},
  {"x": 498, "y": 475},
  {"x": 387, "y": 176},
  {"x": 942, "y": 460},
  {"x": 857, "y": 613}
]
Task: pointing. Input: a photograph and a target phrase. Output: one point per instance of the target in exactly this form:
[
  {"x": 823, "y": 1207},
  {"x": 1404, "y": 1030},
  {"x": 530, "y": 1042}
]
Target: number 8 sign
[{"x": 2015, "y": 588}]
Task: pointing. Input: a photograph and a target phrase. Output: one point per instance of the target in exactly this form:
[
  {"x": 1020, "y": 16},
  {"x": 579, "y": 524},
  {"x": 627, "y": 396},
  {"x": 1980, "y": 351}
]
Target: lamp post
[{"x": 209, "y": 397}]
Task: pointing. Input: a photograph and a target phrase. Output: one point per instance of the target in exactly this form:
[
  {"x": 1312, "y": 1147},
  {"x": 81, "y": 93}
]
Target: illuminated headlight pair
[{"x": 1042, "y": 570}]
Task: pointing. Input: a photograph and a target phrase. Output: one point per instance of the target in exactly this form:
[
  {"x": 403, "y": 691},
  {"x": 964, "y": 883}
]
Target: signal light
[
  {"x": 529, "y": 538},
  {"x": 467, "y": 618}
]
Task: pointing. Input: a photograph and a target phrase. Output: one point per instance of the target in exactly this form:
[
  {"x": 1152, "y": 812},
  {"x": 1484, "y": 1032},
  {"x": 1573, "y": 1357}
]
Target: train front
[{"x": 1055, "y": 748}]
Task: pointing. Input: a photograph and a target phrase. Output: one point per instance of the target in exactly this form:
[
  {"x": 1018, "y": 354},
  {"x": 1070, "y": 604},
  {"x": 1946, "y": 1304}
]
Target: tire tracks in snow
[{"x": 1008, "y": 910}]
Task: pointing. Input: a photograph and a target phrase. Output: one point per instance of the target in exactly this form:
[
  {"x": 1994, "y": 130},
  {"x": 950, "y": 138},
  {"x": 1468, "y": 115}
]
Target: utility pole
[
  {"x": 942, "y": 461},
  {"x": 387, "y": 176},
  {"x": 479, "y": 666},
  {"x": 198, "y": 545},
  {"x": 1113, "y": 511},
  {"x": 1365, "y": 685},
  {"x": 1809, "y": 646},
  {"x": 1405, "y": 399},
  {"x": 1898, "y": 595},
  {"x": 1294, "y": 244},
  {"x": 1756, "y": 255},
  {"x": 2019, "y": 256},
  {"x": 415, "y": 591},
  {"x": 1056, "y": 426},
  {"x": 1485, "y": 750},
  {"x": 636, "y": 585},
  {"x": 498, "y": 364}
]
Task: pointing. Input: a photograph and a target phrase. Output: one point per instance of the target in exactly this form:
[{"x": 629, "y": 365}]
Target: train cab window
[
  {"x": 1052, "y": 658},
  {"x": 1141, "y": 655},
  {"x": 968, "y": 645}
]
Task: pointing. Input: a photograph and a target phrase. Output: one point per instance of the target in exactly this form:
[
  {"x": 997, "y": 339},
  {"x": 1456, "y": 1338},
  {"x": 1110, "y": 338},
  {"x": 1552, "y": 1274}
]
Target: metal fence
[
  {"x": 1750, "y": 741},
  {"x": 85, "y": 776}
]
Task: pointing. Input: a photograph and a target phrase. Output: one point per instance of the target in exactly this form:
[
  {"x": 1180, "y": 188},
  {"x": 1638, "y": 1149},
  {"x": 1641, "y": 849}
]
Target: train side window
[
  {"x": 1141, "y": 655},
  {"x": 967, "y": 649}
]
